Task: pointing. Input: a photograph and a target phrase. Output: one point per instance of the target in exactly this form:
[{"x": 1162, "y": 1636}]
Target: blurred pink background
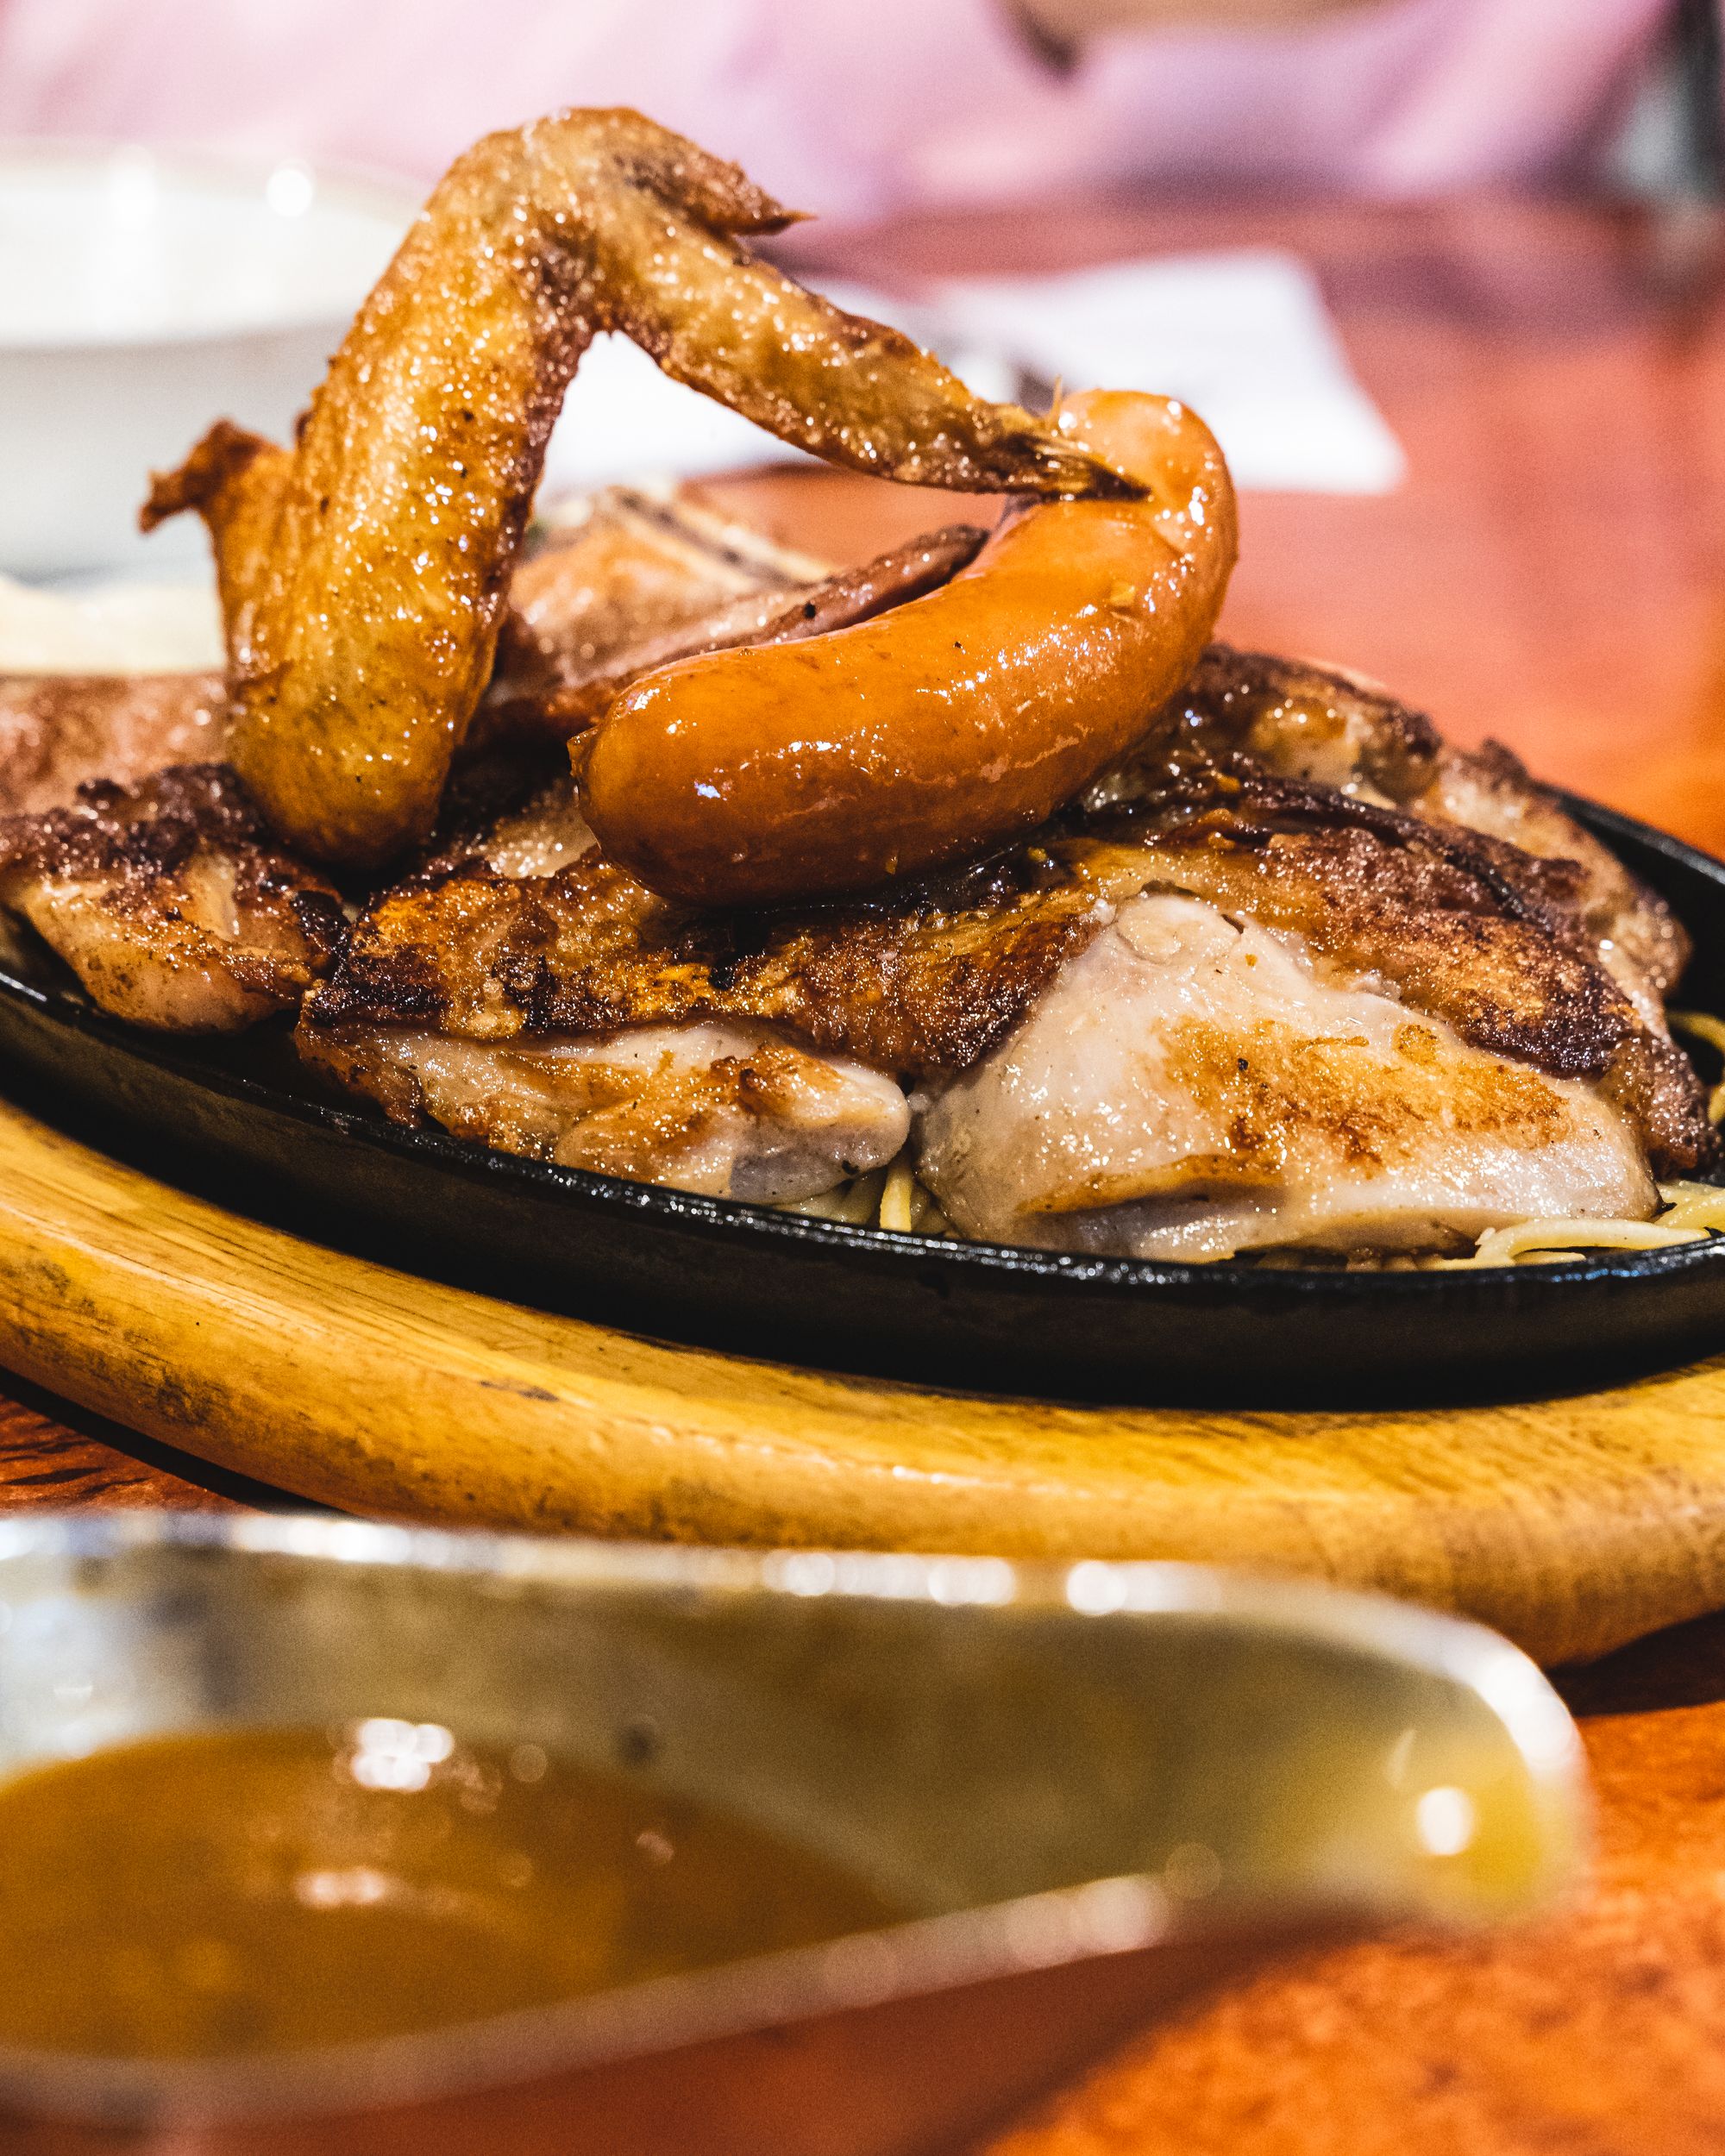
[{"x": 859, "y": 111}]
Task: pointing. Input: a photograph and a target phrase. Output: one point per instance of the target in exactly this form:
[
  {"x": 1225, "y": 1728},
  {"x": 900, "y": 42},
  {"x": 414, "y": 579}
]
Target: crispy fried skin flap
[{"x": 923, "y": 983}]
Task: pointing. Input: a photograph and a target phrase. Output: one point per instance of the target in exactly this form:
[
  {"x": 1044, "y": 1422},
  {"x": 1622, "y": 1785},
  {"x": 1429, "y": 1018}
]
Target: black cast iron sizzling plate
[{"x": 240, "y": 1122}]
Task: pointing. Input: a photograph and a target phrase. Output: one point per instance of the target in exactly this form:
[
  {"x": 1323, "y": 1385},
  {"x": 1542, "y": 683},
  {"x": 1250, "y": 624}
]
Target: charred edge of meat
[
  {"x": 1281, "y": 710},
  {"x": 1235, "y": 690},
  {"x": 138, "y": 840},
  {"x": 920, "y": 986},
  {"x": 690, "y": 521},
  {"x": 1615, "y": 901},
  {"x": 1232, "y": 795}
]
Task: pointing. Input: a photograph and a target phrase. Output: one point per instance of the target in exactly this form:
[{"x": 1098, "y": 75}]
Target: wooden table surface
[{"x": 1551, "y": 574}]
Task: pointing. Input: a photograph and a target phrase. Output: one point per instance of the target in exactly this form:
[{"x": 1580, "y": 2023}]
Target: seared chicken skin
[
  {"x": 1194, "y": 1085},
  {"x": 1299, "y": 721},
  {"x": 526, "y": 993},
  {"x": 724, "y": 1109},
  {"x": 169, "y": 902}
]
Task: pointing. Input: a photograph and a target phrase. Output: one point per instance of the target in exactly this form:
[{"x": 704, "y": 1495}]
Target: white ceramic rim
[{"x": 387, "y": 196}]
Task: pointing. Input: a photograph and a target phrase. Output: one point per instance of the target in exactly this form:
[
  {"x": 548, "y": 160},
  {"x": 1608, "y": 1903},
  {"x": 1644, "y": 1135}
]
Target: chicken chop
[
  {"x": 1207, "y": 1009},
  {"x": 1294, "y": 974}
]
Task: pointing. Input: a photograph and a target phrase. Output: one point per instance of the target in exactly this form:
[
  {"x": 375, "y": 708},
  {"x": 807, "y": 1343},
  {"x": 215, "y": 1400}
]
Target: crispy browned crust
[
  {"x": 926, "y": 979},
  {"x": 1489, "y": 790},
  {"x": 1301, "y": 720},
  {"x": 169, "y": 900},
  {"x": 1296, "y": 720},
  {"x": 59, "y": 732},
  {"x": 923, "y": 983},
  {"x": 1468, "y": 928}
]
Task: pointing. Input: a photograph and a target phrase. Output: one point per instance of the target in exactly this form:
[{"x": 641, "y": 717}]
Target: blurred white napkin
[{"x": 1244, "y": 337}]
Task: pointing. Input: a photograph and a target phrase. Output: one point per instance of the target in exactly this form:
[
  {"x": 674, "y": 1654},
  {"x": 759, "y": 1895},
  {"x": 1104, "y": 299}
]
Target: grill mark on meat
[
  {"x": 1271, "y": 1087},
  {"x": 1269, "y": 1082},
  {"x": 629, "y": 574}
]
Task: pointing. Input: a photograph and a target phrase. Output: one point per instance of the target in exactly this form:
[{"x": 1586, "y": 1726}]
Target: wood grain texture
[
  {"x": 45, "y": 1462},
  {"x": 1573, "y": 1525}
]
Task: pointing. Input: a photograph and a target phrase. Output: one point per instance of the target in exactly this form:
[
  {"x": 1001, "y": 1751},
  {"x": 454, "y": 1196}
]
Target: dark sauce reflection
[{"x": 267, "y": 1889}]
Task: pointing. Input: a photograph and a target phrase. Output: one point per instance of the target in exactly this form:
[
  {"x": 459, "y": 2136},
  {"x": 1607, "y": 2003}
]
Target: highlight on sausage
[
  {"x": 364, "y": 572},
  {"x": 802, "y": 770}
]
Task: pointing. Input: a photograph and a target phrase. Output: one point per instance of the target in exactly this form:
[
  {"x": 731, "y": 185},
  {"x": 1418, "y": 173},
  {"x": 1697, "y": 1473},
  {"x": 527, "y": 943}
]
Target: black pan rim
[{"x": 725, "y": 1220}]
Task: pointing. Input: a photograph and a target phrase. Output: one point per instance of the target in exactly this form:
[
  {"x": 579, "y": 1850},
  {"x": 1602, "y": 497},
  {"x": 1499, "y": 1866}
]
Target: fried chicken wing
[
  {"x": 364, "y": 573},
  {"x": 169, "y": 902}
]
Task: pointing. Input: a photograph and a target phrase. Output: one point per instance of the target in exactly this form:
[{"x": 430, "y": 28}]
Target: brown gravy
[{"x": 267, "y": 1889}]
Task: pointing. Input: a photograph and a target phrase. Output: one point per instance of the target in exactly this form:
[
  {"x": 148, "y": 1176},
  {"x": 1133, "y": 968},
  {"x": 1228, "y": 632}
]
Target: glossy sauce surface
[{"x": 264, "y": 1890}]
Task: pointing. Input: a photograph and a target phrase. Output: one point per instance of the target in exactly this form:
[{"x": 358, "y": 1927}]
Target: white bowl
[{"x": 143, "y": 295}]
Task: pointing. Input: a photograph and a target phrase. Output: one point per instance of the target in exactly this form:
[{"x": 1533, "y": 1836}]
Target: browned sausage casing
[{"x": 750, "y": 777}]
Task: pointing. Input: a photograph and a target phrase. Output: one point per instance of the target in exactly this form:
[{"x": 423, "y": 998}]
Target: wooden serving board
[{"x": 1573, "y": 1525}]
